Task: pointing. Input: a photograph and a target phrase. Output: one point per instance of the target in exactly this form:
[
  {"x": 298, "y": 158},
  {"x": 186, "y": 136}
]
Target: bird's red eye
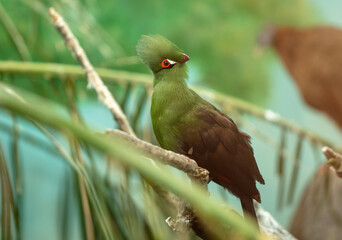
[{"x": 165, "y": 63}]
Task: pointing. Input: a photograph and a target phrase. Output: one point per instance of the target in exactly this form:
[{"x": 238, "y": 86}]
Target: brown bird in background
[
  {"x": 319, "y": 212},
  {"x": 313, "y": 56}
]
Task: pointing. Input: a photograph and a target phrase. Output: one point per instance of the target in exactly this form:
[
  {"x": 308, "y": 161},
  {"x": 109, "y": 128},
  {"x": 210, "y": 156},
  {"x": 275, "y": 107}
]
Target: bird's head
[
  {"x": 162, "y": 56},
  {"x": 265, "y": 39},
  {"x": 266, "y": 36}
]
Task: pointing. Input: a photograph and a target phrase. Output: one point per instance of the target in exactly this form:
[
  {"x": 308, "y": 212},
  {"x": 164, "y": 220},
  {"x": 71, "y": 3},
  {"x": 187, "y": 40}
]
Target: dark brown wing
[
  {"x": 212, "y": 139},
  {"x": 313, "y": 57}
]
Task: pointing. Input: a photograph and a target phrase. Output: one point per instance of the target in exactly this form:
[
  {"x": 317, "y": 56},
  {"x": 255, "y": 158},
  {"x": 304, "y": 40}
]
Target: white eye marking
[
  {"x": 191, "y": 150},
  {"x": 171, "y": 62}
]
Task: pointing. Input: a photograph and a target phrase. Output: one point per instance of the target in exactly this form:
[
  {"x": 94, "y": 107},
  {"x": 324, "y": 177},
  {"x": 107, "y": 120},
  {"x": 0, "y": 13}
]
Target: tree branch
[{"x": 94, "y": 79}]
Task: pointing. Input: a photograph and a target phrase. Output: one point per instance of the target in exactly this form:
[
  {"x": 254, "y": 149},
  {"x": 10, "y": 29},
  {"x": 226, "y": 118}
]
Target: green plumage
[
  {"x": 171, "y": 97},
  {"x": 185, "y": 123}
]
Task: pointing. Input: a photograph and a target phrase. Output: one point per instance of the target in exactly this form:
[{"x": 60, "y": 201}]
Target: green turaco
[{"x": 185, "y": 123}]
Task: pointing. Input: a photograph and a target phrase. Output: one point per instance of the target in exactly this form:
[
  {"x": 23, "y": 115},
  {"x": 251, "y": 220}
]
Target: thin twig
[{"x": 94, "y": 79}]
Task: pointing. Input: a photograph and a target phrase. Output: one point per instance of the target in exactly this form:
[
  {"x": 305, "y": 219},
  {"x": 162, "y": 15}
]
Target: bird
[
  {"x": 313, "y": 57},
  {"x": 185, "y": 123}
]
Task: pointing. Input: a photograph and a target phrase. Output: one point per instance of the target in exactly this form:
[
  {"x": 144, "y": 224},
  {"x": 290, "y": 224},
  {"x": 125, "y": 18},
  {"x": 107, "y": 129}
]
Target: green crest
[{"x": 153, "y": 49}]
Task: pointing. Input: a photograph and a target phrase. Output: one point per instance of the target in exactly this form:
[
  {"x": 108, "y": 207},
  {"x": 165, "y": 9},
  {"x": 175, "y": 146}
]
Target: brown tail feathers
[{"x": 248, "y": 209}]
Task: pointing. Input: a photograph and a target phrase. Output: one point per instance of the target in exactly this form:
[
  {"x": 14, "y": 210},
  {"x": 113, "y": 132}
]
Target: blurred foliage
[{"x": 219, "y": 36}]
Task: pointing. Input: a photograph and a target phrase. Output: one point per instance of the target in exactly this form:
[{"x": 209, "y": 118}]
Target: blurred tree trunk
[{"x": 319, "y": 214}]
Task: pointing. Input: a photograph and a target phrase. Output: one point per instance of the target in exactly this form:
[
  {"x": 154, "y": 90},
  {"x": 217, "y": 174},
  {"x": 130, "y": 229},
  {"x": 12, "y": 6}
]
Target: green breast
[{"x": 170, "y": 103}]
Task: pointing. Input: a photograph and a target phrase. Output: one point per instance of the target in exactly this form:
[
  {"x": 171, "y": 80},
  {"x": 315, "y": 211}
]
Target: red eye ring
[{"x": 165, "y": 63}]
